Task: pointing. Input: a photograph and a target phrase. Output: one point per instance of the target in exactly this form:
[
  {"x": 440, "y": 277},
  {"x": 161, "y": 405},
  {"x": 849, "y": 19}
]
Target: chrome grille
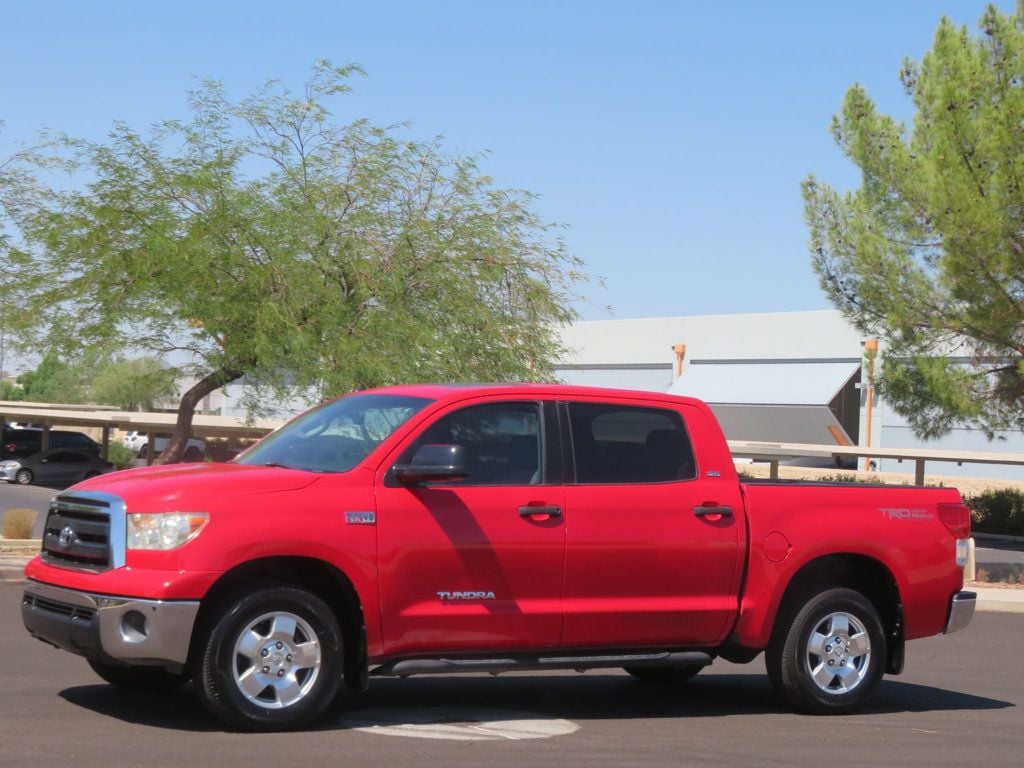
[{"x": 82, "y": 532}]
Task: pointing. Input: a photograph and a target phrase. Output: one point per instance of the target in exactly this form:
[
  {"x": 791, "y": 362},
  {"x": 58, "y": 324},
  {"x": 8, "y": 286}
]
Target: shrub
[
  {"x": 18, "y": 523},
  {"x": 999, "y": 512},
  {"x": 120, "y": 455}
]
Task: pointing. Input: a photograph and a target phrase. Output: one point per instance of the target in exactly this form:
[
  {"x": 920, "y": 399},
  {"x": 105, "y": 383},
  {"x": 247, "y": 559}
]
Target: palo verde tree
[
  {"x": 928, "y": 253},
  {"x": 265, "y": 238}
]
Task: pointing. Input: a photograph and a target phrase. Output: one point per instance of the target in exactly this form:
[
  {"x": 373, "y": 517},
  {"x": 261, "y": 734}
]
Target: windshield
[{"x": 336, "y": 436}]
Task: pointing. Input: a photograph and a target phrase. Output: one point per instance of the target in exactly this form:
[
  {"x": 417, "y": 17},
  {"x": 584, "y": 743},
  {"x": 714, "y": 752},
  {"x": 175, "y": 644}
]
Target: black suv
[{"x": 17, "y": 443}]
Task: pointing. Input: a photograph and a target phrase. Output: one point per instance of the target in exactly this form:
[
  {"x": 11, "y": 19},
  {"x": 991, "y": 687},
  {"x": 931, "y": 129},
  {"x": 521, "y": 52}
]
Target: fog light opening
[{"x": 134, "y": 628}]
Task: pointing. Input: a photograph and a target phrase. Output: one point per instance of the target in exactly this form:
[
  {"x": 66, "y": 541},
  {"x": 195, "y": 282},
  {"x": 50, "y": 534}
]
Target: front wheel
[
  {"x": 138, "y": 678},
  {"x": 830, "y": 657},
  {"x": 24, "y": 477},
  {"x": 273, "y": 661}
]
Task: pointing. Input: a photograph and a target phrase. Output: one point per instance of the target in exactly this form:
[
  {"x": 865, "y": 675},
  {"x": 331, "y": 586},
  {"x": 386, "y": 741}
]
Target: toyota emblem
[{"x": 67, "y": 536}]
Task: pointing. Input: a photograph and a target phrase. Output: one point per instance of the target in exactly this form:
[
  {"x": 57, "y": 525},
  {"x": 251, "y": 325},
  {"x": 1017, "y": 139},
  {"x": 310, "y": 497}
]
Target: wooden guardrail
[{"x": 773, "y": 453}]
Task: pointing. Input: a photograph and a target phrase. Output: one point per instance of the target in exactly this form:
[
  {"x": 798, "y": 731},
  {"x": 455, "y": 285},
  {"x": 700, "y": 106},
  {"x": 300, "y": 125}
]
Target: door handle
[
  {"x": 712, "y": 511},
  {"x": 534, "y": 512}
]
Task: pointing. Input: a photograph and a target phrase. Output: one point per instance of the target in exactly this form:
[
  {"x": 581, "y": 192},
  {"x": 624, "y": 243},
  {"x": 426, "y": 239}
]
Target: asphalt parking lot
[{"x": 958, "y": 704}]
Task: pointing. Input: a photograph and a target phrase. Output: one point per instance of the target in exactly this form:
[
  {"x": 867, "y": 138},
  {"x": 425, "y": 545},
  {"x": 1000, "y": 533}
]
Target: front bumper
[
  {"x": 125, "y": 629},
  {"x": 961, "y": 611},
  {"x": 8, "y": 472}
]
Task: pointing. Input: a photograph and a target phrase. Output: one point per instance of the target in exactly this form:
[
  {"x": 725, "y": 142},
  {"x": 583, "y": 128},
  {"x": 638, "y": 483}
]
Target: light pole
[{"x": 870, "y": 353}]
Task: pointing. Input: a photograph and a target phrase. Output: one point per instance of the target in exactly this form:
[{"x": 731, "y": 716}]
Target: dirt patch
[{"x": 992, "y": 585}]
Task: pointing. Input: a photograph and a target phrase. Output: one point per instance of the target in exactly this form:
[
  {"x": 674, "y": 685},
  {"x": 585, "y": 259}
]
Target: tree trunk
[{"x": 175, "y": 450}]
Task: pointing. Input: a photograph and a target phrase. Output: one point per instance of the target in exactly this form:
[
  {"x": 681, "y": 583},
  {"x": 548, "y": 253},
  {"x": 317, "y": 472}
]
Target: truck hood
[{"x": 177, "y": 486}]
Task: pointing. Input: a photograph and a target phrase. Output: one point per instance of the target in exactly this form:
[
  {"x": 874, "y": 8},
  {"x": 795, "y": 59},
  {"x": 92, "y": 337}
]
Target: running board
[{"x": 533, "y": 663}]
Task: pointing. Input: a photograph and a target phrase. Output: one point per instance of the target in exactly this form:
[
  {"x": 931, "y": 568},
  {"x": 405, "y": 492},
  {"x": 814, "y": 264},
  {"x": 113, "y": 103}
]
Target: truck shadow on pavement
[{"x": 592, "y": 697}]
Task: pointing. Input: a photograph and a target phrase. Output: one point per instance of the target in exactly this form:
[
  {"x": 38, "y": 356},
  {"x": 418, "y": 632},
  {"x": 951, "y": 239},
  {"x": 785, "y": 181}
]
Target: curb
[
  {"x": 12, "y": 569},
  {"x": 999, "y": 600}
]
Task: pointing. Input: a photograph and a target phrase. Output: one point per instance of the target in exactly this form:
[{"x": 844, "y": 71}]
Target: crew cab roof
[{"x": 469, "y": 391}]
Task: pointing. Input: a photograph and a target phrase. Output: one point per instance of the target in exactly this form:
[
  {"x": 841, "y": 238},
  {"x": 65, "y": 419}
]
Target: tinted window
[
  {"x": 336, "y": 436},
  {"x": 502, "y": 442},
  {"x": 76, "y": 439},
  {"x": 68, "y": 457},
  {"x": 623, "y": 444}
]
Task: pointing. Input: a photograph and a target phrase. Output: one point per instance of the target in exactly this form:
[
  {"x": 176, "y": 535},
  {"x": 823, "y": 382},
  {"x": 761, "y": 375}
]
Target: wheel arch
[
  {"x": 862, "y": 573},
  {"x": 321, "y": 578}
]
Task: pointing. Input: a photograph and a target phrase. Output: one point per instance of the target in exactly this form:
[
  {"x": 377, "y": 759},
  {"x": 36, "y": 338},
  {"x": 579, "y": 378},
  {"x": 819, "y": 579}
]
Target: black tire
[
  {"x": 138, "y": 678},
  {"x": 24, "y": 477},
  {"x": 664, "y": 675},
  {"x": 296, "y": 690},
  {"x": 828, "y": 657}
]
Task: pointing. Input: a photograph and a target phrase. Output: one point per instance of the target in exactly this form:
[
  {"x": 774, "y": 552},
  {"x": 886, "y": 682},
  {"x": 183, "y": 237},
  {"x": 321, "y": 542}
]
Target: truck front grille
[{"x": 81, "y": 532}]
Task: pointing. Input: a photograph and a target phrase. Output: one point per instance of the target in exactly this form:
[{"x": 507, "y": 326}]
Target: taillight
[{"x": 957, "y": 518}]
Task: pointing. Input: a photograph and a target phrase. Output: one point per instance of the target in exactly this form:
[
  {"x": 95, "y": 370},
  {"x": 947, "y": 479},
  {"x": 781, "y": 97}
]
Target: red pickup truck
[{"x": 442, "y": 529}]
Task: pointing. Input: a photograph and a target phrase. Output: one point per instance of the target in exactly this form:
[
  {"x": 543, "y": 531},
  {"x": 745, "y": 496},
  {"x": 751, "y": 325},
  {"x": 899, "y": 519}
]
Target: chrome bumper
[
  {"x": 126, "y": 629},
  {"x": 961, "y": 611}
]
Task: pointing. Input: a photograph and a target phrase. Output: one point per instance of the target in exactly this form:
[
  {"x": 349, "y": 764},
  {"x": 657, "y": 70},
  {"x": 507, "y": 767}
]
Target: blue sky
[{"x": 670, "y": 137}]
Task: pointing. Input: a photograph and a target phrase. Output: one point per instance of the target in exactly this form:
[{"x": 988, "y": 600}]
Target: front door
[{"x": 464, "y": 565}]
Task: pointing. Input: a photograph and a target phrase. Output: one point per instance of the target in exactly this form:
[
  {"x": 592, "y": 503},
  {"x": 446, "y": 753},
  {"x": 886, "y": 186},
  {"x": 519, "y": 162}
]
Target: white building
[{"x": 776, "y": 377}]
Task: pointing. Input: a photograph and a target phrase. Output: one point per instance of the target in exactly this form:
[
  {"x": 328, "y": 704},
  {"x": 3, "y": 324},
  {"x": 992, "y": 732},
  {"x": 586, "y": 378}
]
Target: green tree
[
  {"x": 263, "y": 238},
  {"x": 134, "y": 385},
  {"x": 55, "y": 381},
  {"x": 928, "y": 253},
  {"x": 10, "y": 391}
]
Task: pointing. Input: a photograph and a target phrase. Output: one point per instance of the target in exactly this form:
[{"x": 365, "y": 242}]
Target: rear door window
[{"x": 628, "y": 444}]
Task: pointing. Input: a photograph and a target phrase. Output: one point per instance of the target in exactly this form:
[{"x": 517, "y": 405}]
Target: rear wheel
[
  {"x": 24, "y": 477},
  {"x": 664, "y": 675},
  {"x": 138, "y": 678},
  {"x": 830, "y": 657},
  {"x": 273, "y": 661}
]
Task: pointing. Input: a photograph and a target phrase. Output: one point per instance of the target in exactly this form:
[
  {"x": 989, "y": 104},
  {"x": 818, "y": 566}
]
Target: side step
[{"x": 404, "y": 668}]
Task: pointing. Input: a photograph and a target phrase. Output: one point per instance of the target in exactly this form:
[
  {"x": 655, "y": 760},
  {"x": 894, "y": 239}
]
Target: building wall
[{"x": 628, "y": 353}]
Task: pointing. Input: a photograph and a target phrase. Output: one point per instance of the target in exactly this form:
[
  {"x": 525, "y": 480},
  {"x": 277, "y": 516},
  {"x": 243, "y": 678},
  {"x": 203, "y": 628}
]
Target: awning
[{"x": 802, "y": 383}]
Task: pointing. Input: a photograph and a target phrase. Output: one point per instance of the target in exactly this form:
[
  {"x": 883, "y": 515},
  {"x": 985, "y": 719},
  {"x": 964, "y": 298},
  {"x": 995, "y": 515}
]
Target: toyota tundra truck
[{"x": 438, "y": 529}]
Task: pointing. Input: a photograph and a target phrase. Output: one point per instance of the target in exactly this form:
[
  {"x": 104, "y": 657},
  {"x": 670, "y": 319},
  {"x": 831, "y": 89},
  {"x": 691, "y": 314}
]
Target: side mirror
[{"x": 434, "y": 463}]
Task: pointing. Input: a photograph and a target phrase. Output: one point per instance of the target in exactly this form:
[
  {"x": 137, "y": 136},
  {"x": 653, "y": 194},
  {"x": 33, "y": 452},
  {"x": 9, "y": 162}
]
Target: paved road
[
  {"x": 958, "y": 705},
  {"x": 988, "y": 552}
]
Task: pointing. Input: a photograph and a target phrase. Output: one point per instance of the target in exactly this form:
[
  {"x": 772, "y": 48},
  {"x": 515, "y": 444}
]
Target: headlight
[{"x": 165, "y": 530}]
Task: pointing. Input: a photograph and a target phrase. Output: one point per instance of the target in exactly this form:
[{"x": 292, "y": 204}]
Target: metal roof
[
  {"x": 202, "y": 425},
  {"x": 780, "y": 423},
  {"x": 803, "y": 383}
]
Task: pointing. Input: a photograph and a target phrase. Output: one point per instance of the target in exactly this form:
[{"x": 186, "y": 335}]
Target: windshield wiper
[{"x": 279, "y": 464}]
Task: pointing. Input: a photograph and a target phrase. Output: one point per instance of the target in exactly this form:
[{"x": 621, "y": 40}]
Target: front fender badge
[{"x": 360, "y": 518}]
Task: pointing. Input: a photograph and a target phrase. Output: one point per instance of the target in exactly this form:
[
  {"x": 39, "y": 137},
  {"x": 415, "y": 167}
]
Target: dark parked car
[
  {"x": 24, "y": 442},
  {"x": 58, "y": 466}
]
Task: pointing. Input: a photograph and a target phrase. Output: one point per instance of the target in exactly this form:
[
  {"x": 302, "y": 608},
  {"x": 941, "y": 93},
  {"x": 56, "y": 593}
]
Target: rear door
[
  {"x": 466, "y": 566},
  {"x": 654, "y": 550}
]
